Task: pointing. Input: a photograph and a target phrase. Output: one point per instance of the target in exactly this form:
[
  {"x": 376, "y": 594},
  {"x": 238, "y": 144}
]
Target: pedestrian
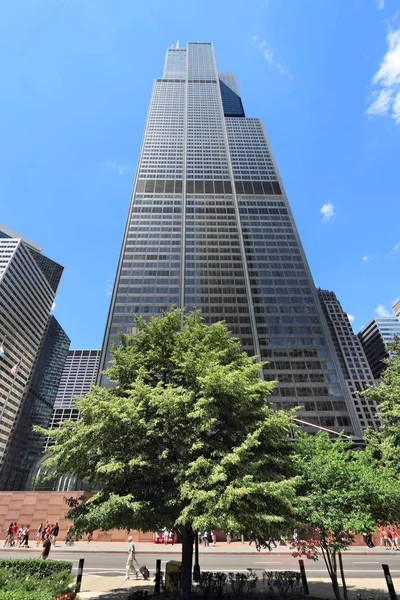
[
  {"x": 395, "y": 538},
  {"x": 295, "y": 536},
  {"x": 214, "y": 536},
  {"x": 367, "y": 539},
  {"x": 39, "y": 534},
  {"x": 25, "y": 538},
  {"x": 89, "y": 537},
  {"x": 172, "y": 537},
  {"x": 251, "y": 538},
  {"x": 270, "y": 541},
  {"x": 131, "y": 558},
  {"x": 55, "y": 530},
  {"x": 165, "y": 535},
  {"x": 390, "y": 538},
  {"x": 228, "y": 537},
  {"x": 206, "y": 540},
  {"x": 46, "y": 547}
]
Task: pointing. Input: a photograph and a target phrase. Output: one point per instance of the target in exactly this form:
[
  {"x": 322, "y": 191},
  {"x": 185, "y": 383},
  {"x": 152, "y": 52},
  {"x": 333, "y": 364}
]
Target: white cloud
[
  {"x": 328, "y": 212},
  {"x": 365, "y": 258},
  {"x": 350, "y": 317},
  {"x": 109, "y": 284},
  {"x": 382, "y": 311},
  {"x": 396, "y": 248},
  {"x": 382, "y": 103},
  {"x": 387, "y": 80},
  {"x": 262, "y": 47},
  {"x": 53, "y": 306},
  {"x": 380, "y": 4},
  {"x": 113, "y": 165}
]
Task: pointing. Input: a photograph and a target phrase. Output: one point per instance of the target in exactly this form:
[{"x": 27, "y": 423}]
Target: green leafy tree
[
  {"x": 386, "y": 442},
  {"x": 184, "y": 438},
  {"x": 344, "y": 492}
]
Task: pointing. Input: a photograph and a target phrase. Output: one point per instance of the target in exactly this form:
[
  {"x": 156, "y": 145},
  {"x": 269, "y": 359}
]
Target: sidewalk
[
  {"x": 114, "y": 588},
  {"x": 221, "y": 548}
]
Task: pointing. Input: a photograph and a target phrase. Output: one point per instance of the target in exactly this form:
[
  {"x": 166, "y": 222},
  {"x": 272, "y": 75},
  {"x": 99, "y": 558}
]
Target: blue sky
[{"x": 323, "y": 75}]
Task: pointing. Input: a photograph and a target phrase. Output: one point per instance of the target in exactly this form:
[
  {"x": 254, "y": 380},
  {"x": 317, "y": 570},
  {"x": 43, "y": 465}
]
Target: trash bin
[{"x": 172, "y": 576}]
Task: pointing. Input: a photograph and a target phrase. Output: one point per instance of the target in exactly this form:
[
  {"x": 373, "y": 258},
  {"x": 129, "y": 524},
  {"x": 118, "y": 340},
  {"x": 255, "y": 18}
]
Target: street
[{"x": 111, "y": 563}]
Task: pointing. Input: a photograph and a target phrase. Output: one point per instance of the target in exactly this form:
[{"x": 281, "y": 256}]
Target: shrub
[
  {"x": 42, "y": 569},
  {"x": 283, "y": 583},
  {"x": 242, "y": 583},
  {"x": 212, "y": 584},
  {"x": 34, "y": 580}
]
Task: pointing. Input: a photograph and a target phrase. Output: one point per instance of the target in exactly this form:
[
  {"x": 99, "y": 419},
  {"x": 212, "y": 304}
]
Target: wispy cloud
[
  {"x": 382, "y": 311},
  {"x": 385, "y": 98},
  {"x": 262, "y": 46},
  {"x": 380, "y": 4},
  {"x": 365, "y": 258},
  {"x": 120, "y": 168},
  {"x": 350, "y": 317},
  {"x": 108, "y": 286},
  {"x": 328, "y": 212},
  {"x": 53, "y": 306},
  {"x": 396, "y": 248}
]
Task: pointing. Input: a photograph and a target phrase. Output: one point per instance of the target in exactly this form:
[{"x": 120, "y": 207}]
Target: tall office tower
[
  {"x": 79, "y": 374},
  {"x": 209, "y": 226},
  {"x": 26, "y": 445},
  {"x": 353, "y": 362},
  {"x": 27, "y": 290},
  {"x": 374, "y": 336}
]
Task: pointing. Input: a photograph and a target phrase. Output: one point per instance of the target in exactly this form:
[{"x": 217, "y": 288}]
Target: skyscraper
[
  {"x": 353, "y": 362},
  {"x": 28, "y": 282},
  {"x": 209, "y": 226},
  {"x": 79, "y": 374},
  {"x": 26, "y": 445},
  {"x": 374, "y": 336}
]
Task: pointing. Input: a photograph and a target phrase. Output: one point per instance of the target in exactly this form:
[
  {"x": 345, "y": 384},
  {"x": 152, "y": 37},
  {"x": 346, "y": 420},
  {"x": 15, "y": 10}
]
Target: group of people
[
  {"x": 17, "y": 535},
  {"x": 50, "y": 530},
  {"x": 204, "y": 537},
  {"x": 389, "y": 537}
]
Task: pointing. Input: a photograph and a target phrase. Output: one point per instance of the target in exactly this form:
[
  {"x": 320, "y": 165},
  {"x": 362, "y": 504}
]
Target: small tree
[
  {"x": 386, "y": 443},
  {"x": 344, "y": 493},
  {"x": 184, "y": 439}
]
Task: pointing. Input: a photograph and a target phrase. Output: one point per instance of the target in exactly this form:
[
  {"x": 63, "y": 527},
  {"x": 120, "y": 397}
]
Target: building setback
[
  {"x": 209, "y": 226},
  {"x": 374, "y": 336},
  {"x": 27, "y": 290},
  {"x": 355, "y": 368}
]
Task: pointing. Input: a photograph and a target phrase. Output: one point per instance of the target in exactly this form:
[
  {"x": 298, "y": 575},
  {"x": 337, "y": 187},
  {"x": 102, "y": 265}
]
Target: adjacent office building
[
  {"x": 26, "y": 445},
  {"x": 28, "y": 282},
  {"x": 210, "y": 226},
  {"x": 374, "y": 337},
  {"x": 79, "y": 374},
  {"x": 353, "y": 362}
]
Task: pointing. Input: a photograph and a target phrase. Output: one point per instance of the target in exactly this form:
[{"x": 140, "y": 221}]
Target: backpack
[{"x": 145, "y": 572}]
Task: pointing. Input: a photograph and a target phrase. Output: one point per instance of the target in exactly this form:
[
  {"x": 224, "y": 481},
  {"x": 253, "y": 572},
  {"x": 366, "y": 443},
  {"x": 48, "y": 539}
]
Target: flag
[
  {"x": 2, "y": 353},
  {"x": 15, "y": 368}
]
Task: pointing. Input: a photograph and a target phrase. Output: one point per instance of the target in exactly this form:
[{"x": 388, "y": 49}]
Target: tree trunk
[
  {"x": 187, "y": 560},
  {"x": 342, "y": 576},
  {"x": 331, "y": 565}
]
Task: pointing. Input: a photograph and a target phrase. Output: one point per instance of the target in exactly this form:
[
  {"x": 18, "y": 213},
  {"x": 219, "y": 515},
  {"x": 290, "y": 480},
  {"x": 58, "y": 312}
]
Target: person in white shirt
[{"x": 131, "y": 557}]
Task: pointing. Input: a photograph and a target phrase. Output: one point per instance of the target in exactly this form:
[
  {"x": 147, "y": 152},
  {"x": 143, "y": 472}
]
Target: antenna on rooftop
[{"x": 177, "y": 44}]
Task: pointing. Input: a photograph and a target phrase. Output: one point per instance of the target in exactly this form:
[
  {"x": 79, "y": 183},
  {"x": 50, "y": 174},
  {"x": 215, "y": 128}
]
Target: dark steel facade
[{"x": 209, "y": 226}]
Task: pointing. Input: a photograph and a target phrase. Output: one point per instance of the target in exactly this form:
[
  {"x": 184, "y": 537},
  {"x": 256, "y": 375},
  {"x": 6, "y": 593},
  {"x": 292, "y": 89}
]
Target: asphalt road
[{"x": 111, "y": 564}]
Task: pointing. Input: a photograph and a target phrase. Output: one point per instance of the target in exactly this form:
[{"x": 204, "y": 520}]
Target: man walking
[{"x": 131, "y": 558}]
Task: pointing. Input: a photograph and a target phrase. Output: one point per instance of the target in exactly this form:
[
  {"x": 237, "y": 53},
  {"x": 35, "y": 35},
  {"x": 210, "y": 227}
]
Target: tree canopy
[
  {"x": 184, "y": 438},
  {"x": 386, "y": 442},
  {"x": 343, "y": 492}
]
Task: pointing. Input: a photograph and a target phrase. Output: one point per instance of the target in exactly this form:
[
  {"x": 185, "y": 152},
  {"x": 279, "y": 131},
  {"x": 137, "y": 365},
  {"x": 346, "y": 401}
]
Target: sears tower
[{"x": 209, "y": 226}]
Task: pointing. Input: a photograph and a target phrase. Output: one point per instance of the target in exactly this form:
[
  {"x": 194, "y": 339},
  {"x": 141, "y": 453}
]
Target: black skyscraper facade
[{"x": 209, "y": 226}]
